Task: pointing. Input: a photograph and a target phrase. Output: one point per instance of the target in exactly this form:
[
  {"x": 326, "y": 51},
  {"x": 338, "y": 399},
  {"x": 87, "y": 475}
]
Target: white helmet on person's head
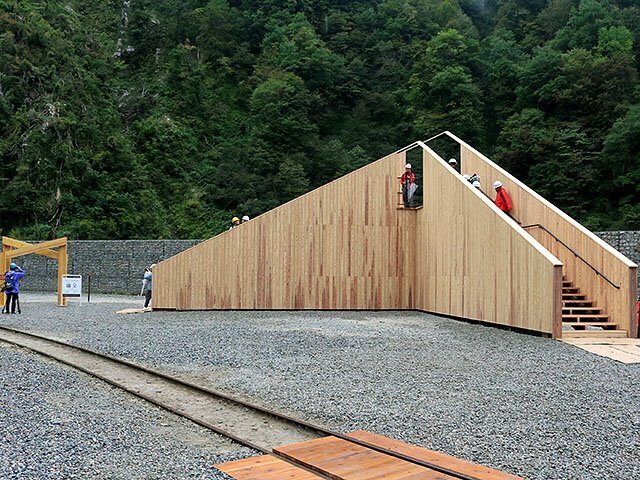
[
  {"x": 497, "y": 184},
  {"x": 453, "y": 162},
  {"x": 476, "y": 184},
  {"x": 408, "y": 165},
  {"x": 245, "y": 218}
]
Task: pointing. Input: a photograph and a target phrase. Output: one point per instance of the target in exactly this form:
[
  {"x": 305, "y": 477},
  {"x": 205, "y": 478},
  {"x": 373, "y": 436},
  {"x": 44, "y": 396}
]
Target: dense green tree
[
  {"x": 163, "y": 119},
  {"x": 443, "y": 93}
]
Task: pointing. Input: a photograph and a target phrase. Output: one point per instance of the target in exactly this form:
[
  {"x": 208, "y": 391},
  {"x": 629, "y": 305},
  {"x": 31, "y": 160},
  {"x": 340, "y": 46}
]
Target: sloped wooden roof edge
[
  {"x": 547, "y": 203},
  {"x": 514, "y": 225}
]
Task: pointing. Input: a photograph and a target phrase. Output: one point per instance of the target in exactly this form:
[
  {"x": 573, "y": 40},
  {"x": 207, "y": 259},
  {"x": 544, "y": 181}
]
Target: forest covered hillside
[{"x": 162, "y": 118}]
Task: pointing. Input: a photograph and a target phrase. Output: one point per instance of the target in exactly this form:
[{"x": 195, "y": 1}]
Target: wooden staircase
[{"x": 581, "y": 318}]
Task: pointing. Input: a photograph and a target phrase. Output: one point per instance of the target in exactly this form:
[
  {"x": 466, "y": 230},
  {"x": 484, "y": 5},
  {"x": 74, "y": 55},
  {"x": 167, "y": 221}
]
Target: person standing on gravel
[
  {"x": 12, "y": 288},
  {"x": 144, "y": 282},
  {"x": 148, "y": 276}
]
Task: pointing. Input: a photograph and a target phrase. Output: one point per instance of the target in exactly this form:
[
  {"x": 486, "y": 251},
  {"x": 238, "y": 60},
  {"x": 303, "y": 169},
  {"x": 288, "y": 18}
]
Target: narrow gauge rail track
[{"x": 248, "y": 424}]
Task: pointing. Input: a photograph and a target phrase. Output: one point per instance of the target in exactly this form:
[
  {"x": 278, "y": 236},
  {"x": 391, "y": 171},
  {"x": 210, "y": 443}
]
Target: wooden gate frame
[{"x": 12, "y": 248}]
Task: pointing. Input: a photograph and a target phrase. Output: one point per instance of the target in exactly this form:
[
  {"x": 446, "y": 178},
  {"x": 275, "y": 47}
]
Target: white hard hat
[
  {"x": 466, "y": 176},
  {"x": 152, "y": 265},
  {"x": 453, "y": 161},
  {"x": 476, "y": 184},
  {"x": 245, "y": 218},
  {"x": 497, "y": 184},
  {"x": 408, "y": 165}
]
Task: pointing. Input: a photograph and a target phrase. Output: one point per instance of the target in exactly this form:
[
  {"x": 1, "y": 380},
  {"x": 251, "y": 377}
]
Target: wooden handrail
[{"x": 576, "y": 254}]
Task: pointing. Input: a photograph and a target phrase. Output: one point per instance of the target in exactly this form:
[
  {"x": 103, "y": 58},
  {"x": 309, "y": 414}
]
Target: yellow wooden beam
[
  {"x": 12, "y": 243},
  {"x": 62, "y": 271},
  {"x": 18, "y": 252}
]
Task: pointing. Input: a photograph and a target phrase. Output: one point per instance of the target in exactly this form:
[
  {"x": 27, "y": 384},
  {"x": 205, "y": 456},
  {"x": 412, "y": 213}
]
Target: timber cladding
[
  {"x": 472, "y": 261},
  {"x": 342, "y": 246},
  {"x": 530, "y": 208},
  {"x": 346, "y": 245}
]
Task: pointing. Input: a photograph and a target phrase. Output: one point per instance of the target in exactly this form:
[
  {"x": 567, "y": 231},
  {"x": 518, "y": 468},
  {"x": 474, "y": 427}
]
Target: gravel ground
[
  {"x": 531, "y": 406},
  {"x": 57, "y": 423}
]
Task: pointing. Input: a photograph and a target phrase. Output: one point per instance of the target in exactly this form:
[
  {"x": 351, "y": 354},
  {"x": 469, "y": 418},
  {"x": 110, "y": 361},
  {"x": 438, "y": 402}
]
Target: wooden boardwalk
[{"x": 367, "y": 456}]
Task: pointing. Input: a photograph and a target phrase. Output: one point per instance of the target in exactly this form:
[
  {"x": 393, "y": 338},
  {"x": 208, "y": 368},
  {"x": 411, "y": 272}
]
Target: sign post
[{"x": 71, "y": 286}]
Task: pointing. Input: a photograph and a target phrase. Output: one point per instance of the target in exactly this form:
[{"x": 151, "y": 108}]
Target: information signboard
[{"x": 71, "y": 285}]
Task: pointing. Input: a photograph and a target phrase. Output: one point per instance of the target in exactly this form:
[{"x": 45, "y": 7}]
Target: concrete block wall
[{"x": 116, "y": 266}]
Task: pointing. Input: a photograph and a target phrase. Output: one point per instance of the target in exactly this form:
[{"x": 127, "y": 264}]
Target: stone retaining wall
[
  {"x": 116, "y": 266},
  {"x": 627, "y": 243}
]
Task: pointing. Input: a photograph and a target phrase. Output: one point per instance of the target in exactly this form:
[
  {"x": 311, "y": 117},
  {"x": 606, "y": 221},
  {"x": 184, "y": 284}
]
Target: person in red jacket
[
  {"x": 408, "y": 182},
  {"x": 503, "y": 201}
]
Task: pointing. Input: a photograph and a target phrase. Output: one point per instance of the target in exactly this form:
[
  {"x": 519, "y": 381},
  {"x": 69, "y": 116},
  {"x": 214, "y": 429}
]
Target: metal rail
[
  {"x": 322, "y": 431},
  {"x": 576, "y": 254}
]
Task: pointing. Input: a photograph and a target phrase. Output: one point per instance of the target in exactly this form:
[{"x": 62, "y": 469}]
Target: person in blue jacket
[{"x": 12, "y": 288}]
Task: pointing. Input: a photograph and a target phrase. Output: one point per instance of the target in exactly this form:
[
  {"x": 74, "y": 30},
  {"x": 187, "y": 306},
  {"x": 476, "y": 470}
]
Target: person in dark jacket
[{"x": 12, "y": 288}]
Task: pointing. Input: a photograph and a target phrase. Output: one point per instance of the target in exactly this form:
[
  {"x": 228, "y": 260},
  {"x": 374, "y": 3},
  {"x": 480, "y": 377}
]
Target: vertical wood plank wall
[
  {"x": 341, "y": 246},
  {"x": 473, "y": 262},
  {"x": 530, "y": 208},
  {"x": 346, "y": 246}
]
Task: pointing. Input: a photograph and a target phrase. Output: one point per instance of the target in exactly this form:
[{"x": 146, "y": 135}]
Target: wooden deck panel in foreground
[
  {"x": 265, "y": 467},
  {"x": 480, "y": 472},
  {"x": 341, "y": 459}
]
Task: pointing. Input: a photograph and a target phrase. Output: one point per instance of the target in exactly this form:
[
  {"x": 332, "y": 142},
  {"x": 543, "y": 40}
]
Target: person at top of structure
[
  {"x": 12, "y": 288},
  {"x": 245, "y": 219},
  {"x": 454, "y": 164},
  {"x": 408, "y": 182},
  {"x": 235, "y": 221},
  {"x": 503, "y": 200}
]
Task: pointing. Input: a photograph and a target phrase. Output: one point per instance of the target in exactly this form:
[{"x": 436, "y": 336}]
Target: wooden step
[
  {"x": 594, "y": 334},
  {"x": 577, "y": 303},
  {"x": 570, "y": 289},
  {"x": 585, "y": 317},
  {"x": 573, "y": 310},
  {"x": 573, "y": 296},
  {"x": 567, "y": 283},
  {"x": 609, "y": 325}
]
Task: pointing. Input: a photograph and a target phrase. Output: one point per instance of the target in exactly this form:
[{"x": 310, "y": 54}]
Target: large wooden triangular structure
[{"x": 346, "y": 245}]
